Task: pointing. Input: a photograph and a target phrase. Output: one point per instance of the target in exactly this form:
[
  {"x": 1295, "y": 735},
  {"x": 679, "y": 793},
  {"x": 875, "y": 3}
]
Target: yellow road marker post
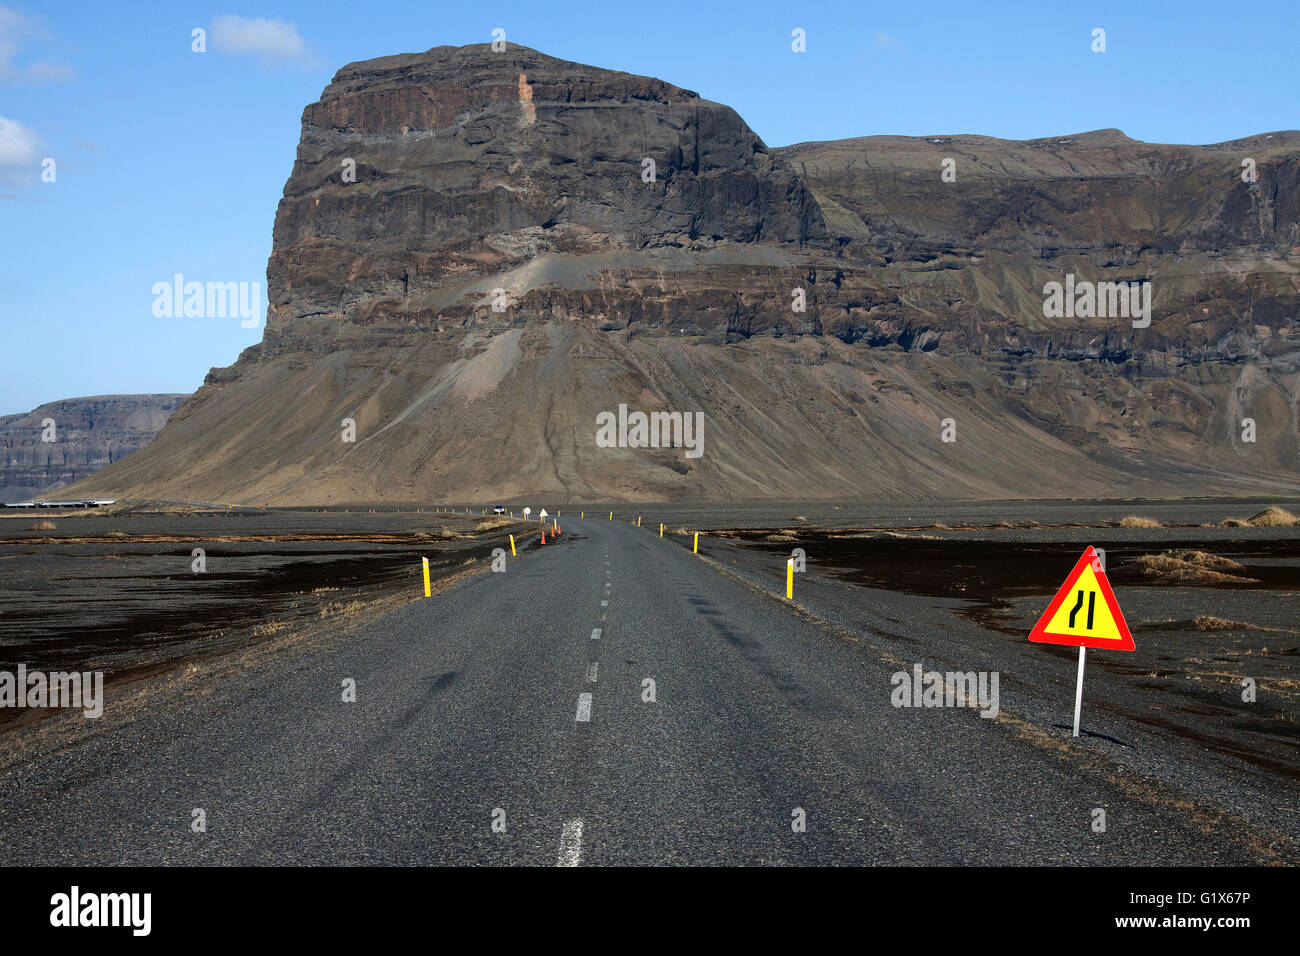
[
  {"x": 696, "y": 549},
  {"x": 425, "y": 562},
  {"x": 661, "y": 529},
  {"x": 789, "y": 579}
]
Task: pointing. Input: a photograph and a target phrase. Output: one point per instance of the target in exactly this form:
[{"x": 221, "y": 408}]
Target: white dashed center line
[
  {"x": 571, "y": 844},
  {"x": 592, "y": 671},
  {"x": 584, "y": 708},
  {"x": 595, "y": 633},
  {"x": 604, "y": 604}
]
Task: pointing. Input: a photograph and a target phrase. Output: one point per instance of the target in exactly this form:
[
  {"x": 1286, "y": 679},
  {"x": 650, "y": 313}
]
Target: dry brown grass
[
  {"x": 1273, "y": 518},
  {"x": 780, "y": 537},
  {"x": 1138, "y": 521},
  {"x": 1210, "y": 623},
  {"x": 1204, "y": 559},
  {"x": 336, "y": 608},
  {"x": 491, "y": 524},
  {"x": 43, "y": 526},
  {"x": 1192, "y": 567}
]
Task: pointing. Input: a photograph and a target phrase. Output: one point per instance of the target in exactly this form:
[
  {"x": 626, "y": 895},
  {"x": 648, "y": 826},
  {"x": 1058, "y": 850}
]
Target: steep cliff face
[
  {"x": 1220, "y": 252},
  {"x": 1091, "y": 192},
  {"x": 87, "y": 434},
  {"x": 472, "y": 262},
  {"x": 470, "y": 163}
]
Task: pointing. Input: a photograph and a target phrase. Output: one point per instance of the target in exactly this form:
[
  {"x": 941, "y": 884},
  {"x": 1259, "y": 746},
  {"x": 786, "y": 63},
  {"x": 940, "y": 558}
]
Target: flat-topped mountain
[{"x": 478, "y": 253}]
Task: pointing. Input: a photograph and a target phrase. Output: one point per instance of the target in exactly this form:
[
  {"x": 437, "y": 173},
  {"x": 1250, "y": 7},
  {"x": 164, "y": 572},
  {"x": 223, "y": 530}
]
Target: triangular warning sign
[{"x": 1084, "y": 612}]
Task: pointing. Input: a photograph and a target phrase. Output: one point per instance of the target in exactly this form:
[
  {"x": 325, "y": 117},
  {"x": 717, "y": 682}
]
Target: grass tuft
[{"x": 1138, "y": 521}]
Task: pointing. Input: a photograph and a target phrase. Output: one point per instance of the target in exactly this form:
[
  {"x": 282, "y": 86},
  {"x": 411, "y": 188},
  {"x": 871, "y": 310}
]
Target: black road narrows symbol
[{"x": 1092, "y": 601}]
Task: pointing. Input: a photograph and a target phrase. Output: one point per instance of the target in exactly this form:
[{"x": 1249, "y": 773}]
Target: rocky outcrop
[
  {"x": 477, "y": 253},
  {"x": 1220, "y": 252},
  {"x": 470, "y": 163},
  {"x": 66, "y": 441}
]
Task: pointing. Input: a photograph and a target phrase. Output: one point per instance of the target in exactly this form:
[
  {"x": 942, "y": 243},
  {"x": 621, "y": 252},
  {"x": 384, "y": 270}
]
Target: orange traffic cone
[{"x": 543, "y": 536}]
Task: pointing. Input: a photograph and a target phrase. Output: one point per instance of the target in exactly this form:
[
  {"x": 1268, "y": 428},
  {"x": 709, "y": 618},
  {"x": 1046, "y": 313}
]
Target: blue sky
[{"x": 171, "y": 161}]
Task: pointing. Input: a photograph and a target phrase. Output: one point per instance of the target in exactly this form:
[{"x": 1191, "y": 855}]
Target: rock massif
[
  {"x": 87, "y": 434},
  {"x": 479, "y": 252}
]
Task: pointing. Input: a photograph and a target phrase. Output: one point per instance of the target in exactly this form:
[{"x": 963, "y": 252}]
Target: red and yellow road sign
[{"x": 1084, "y": 612}]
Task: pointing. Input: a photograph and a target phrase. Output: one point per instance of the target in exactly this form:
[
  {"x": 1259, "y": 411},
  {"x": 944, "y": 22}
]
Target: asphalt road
[{"x": 472, "y": 707}]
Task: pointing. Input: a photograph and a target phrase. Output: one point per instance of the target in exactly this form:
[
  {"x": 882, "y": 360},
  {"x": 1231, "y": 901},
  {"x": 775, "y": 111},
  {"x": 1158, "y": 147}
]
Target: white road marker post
[{"x": 1078, "y": 689}]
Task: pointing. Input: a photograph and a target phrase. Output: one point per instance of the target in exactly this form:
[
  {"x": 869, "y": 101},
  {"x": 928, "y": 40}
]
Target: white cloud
[
  {"x": 51, "y": 71},
  {"x": 20, "y": 152},
  {"x": 269, "y": 39},
  {"x": 19, "y": 146},
  {"x": 883, "y": 41},
  {"x": 15, "y": 31}
]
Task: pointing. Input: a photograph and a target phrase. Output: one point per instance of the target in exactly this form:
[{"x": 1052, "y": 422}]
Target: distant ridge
[{"x": 89, "y": 433}]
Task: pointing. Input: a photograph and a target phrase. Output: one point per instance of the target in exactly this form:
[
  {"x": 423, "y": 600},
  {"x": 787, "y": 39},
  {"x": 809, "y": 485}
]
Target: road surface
[{"x": 506, "y": 721}]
